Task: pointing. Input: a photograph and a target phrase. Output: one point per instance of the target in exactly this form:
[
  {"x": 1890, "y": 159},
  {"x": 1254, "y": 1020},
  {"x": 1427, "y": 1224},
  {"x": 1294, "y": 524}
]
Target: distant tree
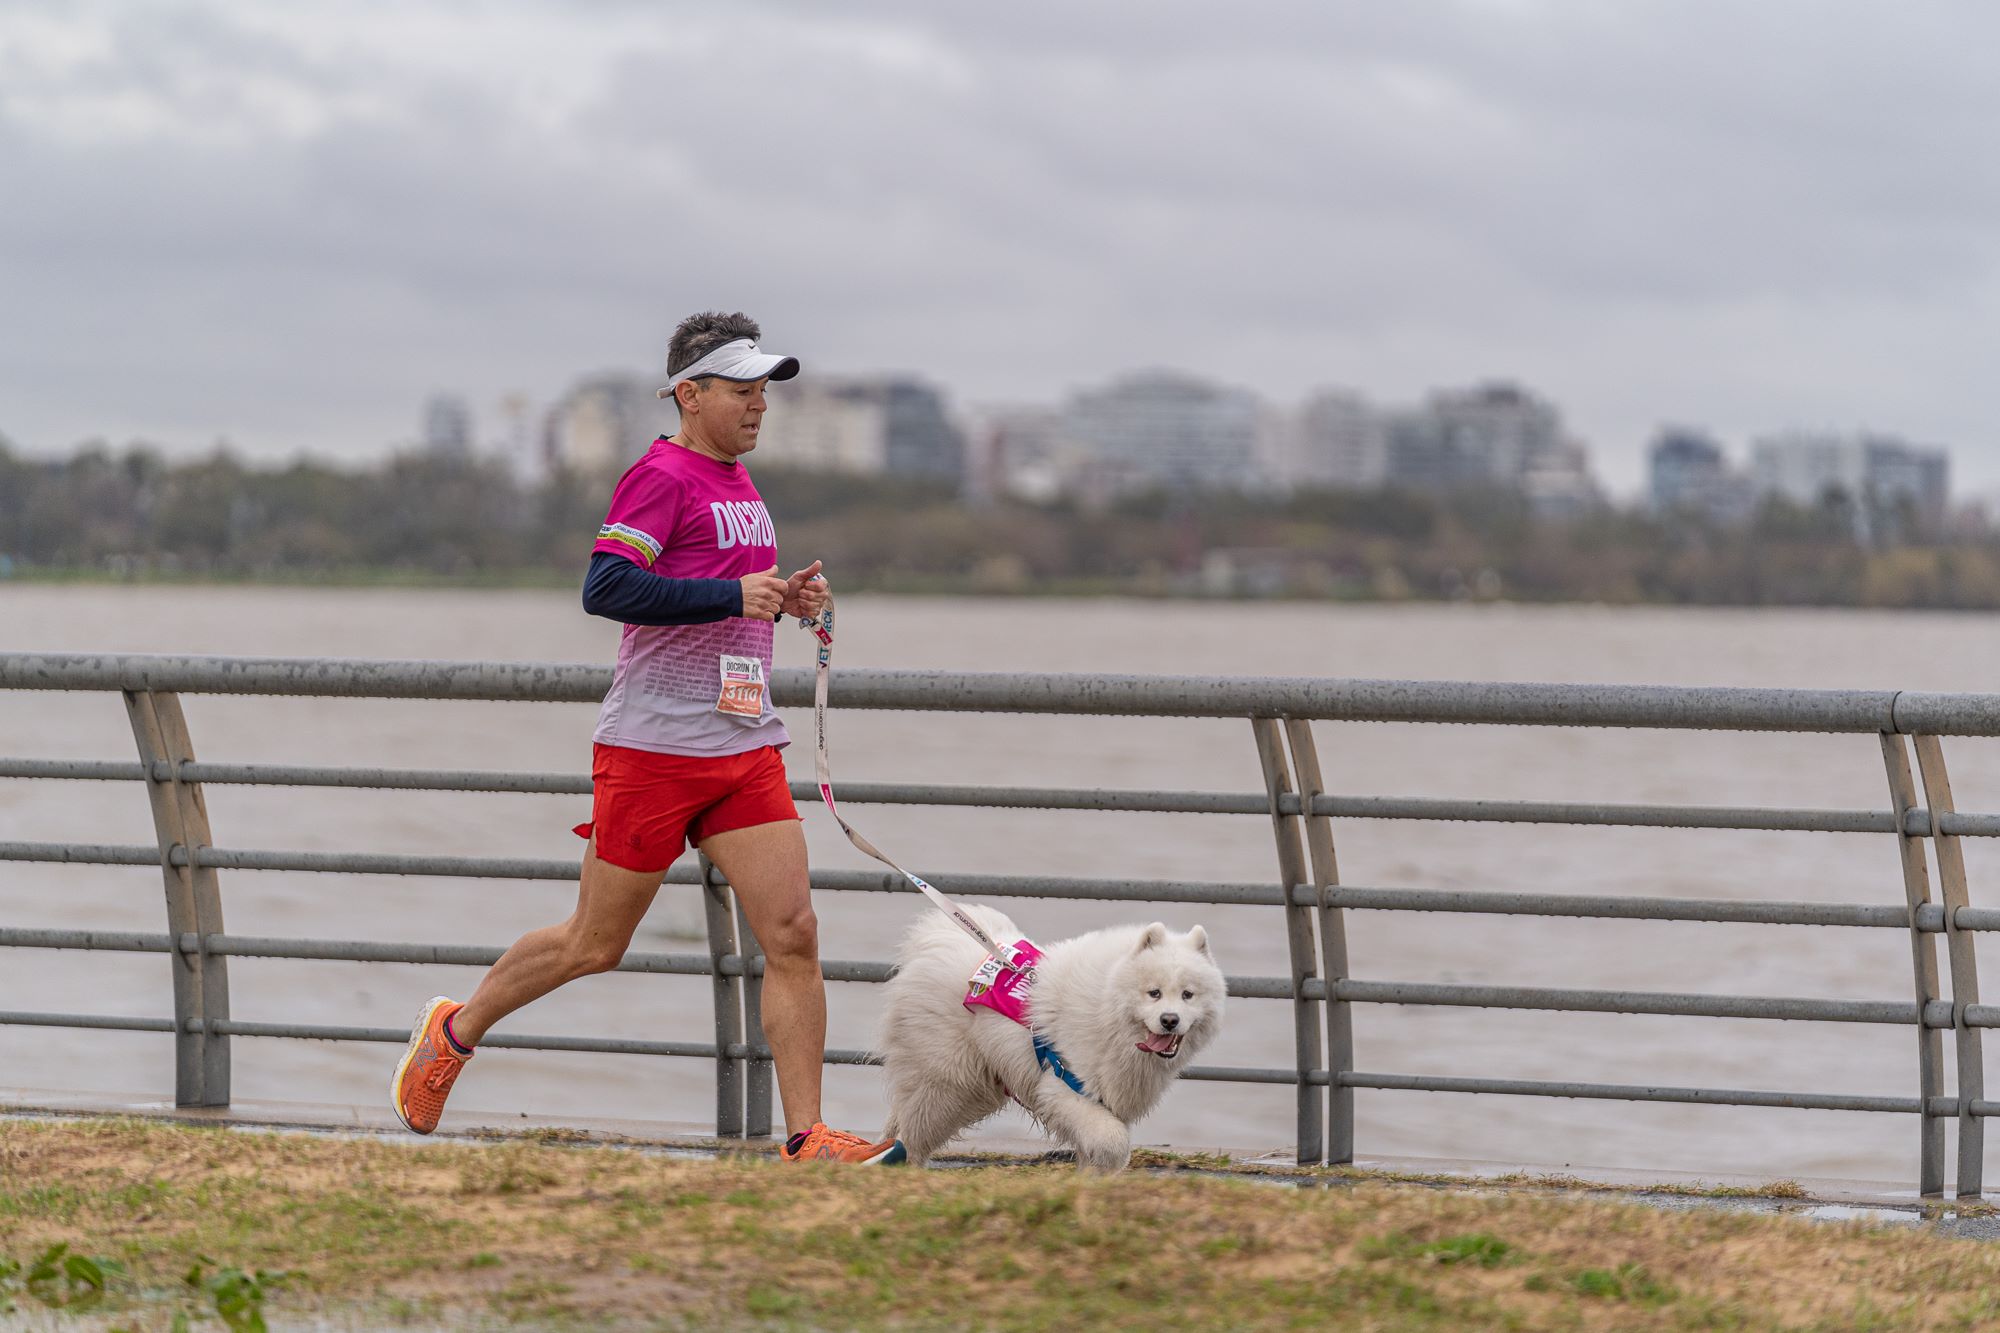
[
  {"x": 461, "y": 517},
  {"x": 197, "y": 511},
  {"x": 1382, "y": 513}
]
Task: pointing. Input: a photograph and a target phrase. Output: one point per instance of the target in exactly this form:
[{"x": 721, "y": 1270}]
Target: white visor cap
[{"x": 740, "y": 361}]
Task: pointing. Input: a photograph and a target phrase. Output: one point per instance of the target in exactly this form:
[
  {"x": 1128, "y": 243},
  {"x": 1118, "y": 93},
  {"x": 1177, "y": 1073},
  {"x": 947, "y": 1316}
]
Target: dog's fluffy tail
[{"x": 933, "y": 965}]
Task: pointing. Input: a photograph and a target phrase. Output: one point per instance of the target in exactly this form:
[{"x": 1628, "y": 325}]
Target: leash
[
  {"x": 987, "y": 982},
  {"x": 822, "y": 629}
]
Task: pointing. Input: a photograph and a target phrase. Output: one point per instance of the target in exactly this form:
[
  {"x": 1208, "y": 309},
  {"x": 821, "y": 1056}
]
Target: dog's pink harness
[{"x": 1004, "y": 990}]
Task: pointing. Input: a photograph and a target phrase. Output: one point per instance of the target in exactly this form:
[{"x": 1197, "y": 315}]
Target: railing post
[
  {"x": 1332, "y": 942},
  {"x": 194, "y": 899},
  {"x": 757, "y": 1088},
  {"x": 1964, "y": 961},
  {"x": 1298, "y": 940},
  {"x": 728, "y": 995},
  {"x": 1923, "y": 954}
]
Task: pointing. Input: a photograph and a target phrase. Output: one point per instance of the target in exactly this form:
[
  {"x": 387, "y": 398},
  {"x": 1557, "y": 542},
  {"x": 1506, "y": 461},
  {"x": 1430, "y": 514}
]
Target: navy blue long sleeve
[{"x": 620, "y": 590}]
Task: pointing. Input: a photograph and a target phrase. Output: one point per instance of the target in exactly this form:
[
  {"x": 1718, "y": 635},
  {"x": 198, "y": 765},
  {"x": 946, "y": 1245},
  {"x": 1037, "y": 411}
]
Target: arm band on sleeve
[{"x": 618, "y": 589}]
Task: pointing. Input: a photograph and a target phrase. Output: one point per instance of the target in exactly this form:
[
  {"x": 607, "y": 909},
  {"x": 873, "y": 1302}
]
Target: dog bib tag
[
  {"x": 994, "y": 986},
  {"x": 742, "y": 686}
]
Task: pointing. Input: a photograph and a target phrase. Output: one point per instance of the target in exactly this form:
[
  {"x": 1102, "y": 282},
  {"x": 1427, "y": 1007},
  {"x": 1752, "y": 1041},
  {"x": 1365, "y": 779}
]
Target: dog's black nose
[{"x": 1170, "y": 1021}]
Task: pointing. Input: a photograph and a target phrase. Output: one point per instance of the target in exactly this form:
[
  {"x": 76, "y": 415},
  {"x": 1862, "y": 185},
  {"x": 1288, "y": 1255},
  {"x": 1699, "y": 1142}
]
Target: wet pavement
[{"x": 1943, "y": 1219}]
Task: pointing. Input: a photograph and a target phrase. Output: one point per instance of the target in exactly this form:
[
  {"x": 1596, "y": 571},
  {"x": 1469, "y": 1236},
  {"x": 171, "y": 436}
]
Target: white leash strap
[{"x": 822, "y": 630}]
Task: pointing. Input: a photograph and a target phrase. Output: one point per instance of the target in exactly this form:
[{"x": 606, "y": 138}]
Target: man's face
[{"x": 726, "y": 414}]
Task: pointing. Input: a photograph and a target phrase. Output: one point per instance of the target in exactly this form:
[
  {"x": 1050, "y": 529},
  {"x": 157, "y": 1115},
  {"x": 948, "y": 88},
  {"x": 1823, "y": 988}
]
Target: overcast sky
[{"x": 286, "y": 224}]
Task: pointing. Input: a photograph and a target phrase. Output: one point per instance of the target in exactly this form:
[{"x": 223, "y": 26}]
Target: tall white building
[
  {"x": 1802, "y": 466},
  {"x": 1021, "y": 452},
  {"x": 877, "y": 424},
  {"x": 809, "y": 425},
  {"x": 1164, "y": 430},
  {"x": 515, "y": 446},
  {"x": 1495, "y": 435},
  {"x": 1337, "y": 440},
  {"x": 605, "y": 422},
  {"x": 1882, "y": 476},
  {"x": 1688, "y": 474},
  {"x": 447, "y": 426}
]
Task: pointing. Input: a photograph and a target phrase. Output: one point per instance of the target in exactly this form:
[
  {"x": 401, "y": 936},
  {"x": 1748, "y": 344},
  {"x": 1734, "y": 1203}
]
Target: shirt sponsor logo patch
[
  {"x": 626, "y": 535},
  {"x": 742, "y": 523}
]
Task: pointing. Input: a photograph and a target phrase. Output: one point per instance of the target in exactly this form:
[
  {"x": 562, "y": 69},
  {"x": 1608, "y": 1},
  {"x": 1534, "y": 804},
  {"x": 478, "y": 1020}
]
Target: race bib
[
  {"x": 742, "y": 686},
  {"x": 1003, "y": 990}
]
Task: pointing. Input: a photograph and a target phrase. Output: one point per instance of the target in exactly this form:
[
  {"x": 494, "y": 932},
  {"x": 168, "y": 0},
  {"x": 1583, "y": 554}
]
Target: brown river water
[{"x": 1797, "y": 648}]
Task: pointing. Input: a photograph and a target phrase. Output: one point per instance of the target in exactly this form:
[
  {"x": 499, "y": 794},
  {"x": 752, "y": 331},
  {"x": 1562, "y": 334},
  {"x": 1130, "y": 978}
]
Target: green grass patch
[
  {"x": 57, "y": 1279},
  {"x": 1627, "y": 1282},
  {"x": 1479, "y": 1248},
  {"x": 143, "y": 1224},
  {"x": 1773, "y": 1189}
]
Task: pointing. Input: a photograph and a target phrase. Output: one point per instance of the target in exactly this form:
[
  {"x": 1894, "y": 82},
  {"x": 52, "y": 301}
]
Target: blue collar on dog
[{"x": 1049, "y": 1058}]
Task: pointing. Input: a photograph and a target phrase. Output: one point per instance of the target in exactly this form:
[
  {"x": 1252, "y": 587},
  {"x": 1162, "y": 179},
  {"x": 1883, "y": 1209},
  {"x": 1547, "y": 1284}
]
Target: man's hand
[
  {"x": 764, "y": 595},
  {"x": 805, "y": 593}
]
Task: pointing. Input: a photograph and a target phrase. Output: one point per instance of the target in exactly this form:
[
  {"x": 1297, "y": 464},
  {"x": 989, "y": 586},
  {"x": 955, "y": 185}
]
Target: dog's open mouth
[{"x": 1166, "y": 1045}]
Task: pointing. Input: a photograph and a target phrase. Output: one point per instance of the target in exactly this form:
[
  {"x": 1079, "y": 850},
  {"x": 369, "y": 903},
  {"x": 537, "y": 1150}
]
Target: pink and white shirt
[{"x": 685, "y": 515}]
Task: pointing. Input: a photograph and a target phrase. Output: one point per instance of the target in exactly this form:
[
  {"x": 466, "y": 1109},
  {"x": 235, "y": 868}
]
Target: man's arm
[{"x": 618, "y": 589}]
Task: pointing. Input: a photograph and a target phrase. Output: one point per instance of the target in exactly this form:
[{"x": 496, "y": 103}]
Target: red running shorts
[{"x": 646, "y": 807}]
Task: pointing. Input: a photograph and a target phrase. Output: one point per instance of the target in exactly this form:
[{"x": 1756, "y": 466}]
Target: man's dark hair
[{"x": 698, "y": 335}]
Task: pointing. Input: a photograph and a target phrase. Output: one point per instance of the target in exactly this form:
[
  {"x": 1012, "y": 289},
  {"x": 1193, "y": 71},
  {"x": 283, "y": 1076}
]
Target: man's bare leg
[
  {"x": 610, "y": 901},
  {"x": 766, "y": 865}
]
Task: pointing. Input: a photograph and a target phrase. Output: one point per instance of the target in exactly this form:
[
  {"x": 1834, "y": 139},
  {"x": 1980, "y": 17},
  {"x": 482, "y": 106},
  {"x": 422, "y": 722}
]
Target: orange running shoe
[
  {"x": 820, "y": 1144},
  {"x": 428, "y": 1069}
]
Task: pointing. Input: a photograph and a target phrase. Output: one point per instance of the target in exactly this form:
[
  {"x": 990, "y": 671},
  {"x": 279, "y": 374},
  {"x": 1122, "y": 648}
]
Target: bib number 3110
[{"x": 742, "y": 687}]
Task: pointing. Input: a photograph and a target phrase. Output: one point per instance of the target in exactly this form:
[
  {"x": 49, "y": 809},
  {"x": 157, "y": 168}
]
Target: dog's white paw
[{"x": 1104, "y": 1151}]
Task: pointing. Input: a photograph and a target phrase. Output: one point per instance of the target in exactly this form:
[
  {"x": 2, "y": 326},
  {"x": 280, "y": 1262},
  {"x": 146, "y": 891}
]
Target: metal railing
[{"x": 1306, "y": 890}]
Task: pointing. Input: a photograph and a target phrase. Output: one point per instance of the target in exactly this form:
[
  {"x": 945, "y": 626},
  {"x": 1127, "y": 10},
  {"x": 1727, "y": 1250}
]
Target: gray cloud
[{"x": 288, "y": 223}]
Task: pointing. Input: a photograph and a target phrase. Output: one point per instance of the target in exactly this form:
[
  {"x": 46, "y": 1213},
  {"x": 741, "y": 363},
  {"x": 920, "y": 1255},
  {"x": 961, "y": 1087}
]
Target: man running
[{"x": 687, "y": 742}]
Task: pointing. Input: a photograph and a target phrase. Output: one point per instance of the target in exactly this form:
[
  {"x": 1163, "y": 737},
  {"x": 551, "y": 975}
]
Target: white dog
[{"x": 1125, "y": 1009}]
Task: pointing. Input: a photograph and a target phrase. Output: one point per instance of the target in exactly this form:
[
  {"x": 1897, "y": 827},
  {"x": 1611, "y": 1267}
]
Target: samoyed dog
[{"x": 1125, "y": 1009}]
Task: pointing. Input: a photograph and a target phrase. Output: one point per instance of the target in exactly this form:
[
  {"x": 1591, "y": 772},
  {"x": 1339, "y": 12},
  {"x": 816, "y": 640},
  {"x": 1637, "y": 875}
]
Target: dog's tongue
[{"x": 1160, "y": 1043}]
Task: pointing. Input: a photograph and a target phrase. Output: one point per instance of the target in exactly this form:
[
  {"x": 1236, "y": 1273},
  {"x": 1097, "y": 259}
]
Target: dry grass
[{"x": 601, "y": 1237}]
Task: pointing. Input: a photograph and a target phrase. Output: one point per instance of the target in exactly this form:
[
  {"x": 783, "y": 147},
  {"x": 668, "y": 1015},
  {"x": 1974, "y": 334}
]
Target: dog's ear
[
  {"x": 1155, "y": 935},
  {"x": 1199, "y": 939}
]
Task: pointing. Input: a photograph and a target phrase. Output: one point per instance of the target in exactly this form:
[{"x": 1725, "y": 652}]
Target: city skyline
[
  {"x": 1154, "y": 427},
  {"x": 601, "y": 417}
]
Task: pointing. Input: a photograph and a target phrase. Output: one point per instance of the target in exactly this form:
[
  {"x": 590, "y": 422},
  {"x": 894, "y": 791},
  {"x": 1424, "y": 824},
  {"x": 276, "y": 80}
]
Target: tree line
[{"x": 135, "y": 513}]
